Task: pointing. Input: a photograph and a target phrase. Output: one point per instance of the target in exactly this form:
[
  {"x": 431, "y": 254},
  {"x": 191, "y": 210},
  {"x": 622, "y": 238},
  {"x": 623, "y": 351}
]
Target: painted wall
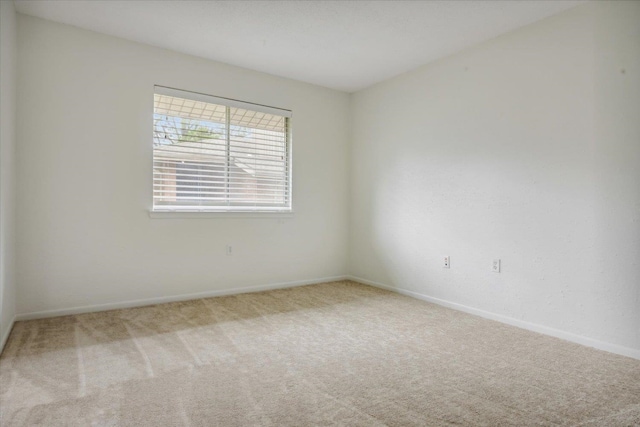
[
  {"x": 8, "y": 63},
  {"x": 84, "y": 173},
  {"x": 525, "y": 148}
]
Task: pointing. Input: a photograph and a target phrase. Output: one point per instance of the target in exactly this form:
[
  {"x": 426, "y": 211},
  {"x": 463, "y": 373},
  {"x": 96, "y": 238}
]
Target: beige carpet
[{"x": 331, "y": 354}]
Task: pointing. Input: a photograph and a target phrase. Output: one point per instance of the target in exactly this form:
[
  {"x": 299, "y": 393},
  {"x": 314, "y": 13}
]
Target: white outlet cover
[{"x": 495, "y": 267}]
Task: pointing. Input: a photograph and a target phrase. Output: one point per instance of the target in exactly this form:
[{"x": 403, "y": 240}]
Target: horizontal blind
[{"x": 214, "y": 154}]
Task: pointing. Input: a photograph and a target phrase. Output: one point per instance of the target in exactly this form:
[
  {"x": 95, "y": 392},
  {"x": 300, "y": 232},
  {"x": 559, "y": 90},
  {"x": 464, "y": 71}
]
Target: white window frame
[{"x": 230, "y": 211}]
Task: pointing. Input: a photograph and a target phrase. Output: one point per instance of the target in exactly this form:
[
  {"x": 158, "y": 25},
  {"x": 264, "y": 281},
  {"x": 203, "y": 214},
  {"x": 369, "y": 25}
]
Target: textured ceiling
[{"x": 345, "y": 45}]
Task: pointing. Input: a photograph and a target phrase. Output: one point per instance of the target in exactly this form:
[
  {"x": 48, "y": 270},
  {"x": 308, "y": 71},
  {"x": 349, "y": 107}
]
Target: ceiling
[{"x": 344, "y": 45}]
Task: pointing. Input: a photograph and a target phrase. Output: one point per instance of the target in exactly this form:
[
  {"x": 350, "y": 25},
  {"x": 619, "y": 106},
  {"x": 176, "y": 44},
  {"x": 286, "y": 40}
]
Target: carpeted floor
[{"x": 330, "y": 354}]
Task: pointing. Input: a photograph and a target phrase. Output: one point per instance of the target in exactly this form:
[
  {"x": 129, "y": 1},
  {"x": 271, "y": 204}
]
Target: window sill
[{"x": 167, "y": 214}]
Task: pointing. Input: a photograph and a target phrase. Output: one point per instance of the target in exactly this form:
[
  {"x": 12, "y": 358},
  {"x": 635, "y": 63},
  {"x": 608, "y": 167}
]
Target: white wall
[
  {"x": 524, "y": 148},
  {"x": 8, "y": 63},
  {"x": 84, "y": 173}
]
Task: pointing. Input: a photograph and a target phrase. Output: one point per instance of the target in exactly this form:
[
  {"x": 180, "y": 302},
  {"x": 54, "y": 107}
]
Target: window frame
[{"x": 229, "y": 211}]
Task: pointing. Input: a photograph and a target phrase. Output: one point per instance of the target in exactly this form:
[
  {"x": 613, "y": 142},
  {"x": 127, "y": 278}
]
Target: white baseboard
[
  {"x": 172, "y": 298},
  {"x": 5, "y": 337},
  {"x": 568, "y": 336}
]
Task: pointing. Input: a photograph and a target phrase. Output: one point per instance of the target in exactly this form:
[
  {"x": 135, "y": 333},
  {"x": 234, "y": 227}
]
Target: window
[{"x": 217, "y": 154}]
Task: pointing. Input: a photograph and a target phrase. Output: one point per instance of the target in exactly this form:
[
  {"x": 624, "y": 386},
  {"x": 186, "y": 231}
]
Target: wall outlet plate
[
  {"x": 495, "y": 267},
  {"x": 446, "y": 264}
]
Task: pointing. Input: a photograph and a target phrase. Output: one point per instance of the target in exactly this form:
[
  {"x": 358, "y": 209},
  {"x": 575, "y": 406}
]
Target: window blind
[{"x": 218, "y": 154}]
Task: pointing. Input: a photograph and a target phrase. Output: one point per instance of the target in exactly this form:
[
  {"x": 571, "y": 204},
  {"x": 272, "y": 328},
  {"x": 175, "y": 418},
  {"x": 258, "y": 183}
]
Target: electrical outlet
[
  {"x": 446, "y": 264},
  {"x": 229, "y": 250},
  {"x": 495, "y": 267}
]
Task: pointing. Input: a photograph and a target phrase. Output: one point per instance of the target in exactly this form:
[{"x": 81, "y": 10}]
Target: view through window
[{"x": 217, "y": 154}]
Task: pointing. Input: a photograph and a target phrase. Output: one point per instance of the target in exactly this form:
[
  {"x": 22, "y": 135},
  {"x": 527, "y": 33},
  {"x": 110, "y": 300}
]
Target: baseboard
[
  {"x": 172, "y": 298},
  {"x": 5, "y": 337},
  {"x": 568, "y": 336}
]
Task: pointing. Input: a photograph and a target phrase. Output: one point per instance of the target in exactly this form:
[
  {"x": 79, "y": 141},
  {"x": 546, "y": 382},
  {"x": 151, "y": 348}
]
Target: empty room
[{"x": 319, "y": 213}]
